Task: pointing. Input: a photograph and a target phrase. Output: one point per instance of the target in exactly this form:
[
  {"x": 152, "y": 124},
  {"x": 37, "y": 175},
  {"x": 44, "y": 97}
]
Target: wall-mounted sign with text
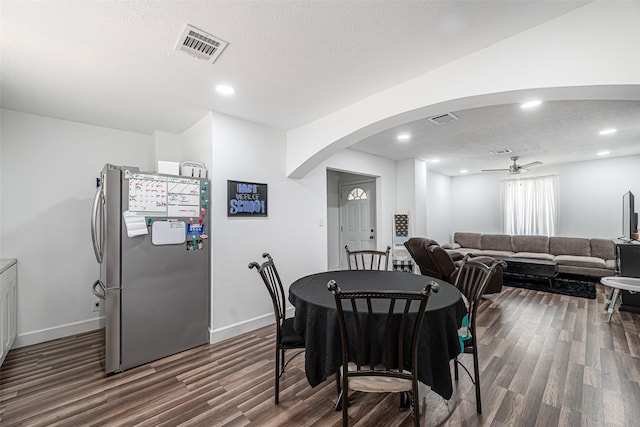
[{"x": 246, "y": 199}]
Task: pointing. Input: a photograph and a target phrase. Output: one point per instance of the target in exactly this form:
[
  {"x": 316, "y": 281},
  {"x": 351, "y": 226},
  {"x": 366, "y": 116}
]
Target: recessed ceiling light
[
  {"x": 225, "y": 90},
  {"x": 530, "y": 104},
  {"x": 404, "y": 137},
  {"x": 603, "y": 153},
  {"x": 608, "y": 131},
  {"x": 464, "y": 171},
  {"x": 434, "y": 160}
]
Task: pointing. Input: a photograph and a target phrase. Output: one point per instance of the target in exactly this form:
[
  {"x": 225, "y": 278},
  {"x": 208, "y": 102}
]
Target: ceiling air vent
[
  {"x": 442, "y": 118},
  {"x": 200, "y": 44},
  {"x": 503, "y": 151}
]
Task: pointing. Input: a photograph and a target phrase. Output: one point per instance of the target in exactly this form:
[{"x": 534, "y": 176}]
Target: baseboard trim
[
  {"x": 48, "y": 334},
  {"x": 231, "y": 331},
  {"x": 215, "y": 335}
]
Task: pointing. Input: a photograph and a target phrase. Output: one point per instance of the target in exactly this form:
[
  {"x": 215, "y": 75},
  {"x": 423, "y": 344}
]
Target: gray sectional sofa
[{"x": 572, "y": 255}]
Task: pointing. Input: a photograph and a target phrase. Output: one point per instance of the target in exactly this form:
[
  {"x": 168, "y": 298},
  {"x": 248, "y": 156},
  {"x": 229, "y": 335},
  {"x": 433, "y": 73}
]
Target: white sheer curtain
[{"x": 530, "y": 205}]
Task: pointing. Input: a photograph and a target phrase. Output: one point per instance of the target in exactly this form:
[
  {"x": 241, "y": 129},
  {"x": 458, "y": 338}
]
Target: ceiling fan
[{"x": 514, "y": 168}]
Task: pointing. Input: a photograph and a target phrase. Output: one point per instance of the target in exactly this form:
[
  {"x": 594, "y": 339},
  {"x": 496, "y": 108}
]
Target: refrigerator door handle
[
  {"x": 98, "y": 206},
  {"x": 103, "y": 291}
]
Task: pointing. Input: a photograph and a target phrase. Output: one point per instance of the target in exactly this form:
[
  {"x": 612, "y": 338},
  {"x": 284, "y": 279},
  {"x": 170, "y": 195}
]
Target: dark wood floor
[{"x": 545, "y": 360}]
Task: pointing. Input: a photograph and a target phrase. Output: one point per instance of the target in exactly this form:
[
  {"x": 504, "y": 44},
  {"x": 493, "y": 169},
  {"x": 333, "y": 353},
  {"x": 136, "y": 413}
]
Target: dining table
[{"x": 316, "y": 319}]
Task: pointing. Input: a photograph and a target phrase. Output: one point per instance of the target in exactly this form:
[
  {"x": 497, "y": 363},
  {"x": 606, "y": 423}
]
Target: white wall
[
  {"x": 294, "y": 232},
  {"x": 411, "y": 194},
  {"x": 438, "y": 207},
  {"x": 333, "y": 220},
  {"x": 291, "y": 233},
  {"x": 49, "y": 170},
  {"x": 168, "y": 147},
  {"x": 420, "y": 196},
  {"x": 1, "y": 198},
  {"x": 52, "y": 165},
  {"x": 475, "y": 203},
  {"x": 196, "y": 142},
  {"x": 590, "y": 199}
]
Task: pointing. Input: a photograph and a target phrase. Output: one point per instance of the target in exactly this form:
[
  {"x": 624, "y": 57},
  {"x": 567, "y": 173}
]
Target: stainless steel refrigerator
[{"x": 150, "y": 236}]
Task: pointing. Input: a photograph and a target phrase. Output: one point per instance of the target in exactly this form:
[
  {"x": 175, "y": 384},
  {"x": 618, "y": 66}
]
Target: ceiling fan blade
[
  {"x": 528, "y": 165},
  {"x": 494, "y": 170}
]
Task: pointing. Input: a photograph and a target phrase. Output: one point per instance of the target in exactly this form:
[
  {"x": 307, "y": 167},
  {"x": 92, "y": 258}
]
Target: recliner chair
[
  {"x": 433, "y": 260},
  {"x": 416, "y": 246}
]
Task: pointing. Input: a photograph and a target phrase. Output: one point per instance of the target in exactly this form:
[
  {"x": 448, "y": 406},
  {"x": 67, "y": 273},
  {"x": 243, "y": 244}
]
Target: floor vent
[
  {"x": 200, "y": 44},
  {"x": 442, "y": 118}
]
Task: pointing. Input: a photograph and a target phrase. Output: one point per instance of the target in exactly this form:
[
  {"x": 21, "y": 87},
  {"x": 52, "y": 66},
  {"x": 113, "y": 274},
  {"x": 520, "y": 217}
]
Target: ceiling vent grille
[
  {"x": 503, "y": 151},
  {"x": 442, "y": 118},
  {"x": 200, "y": 44}
]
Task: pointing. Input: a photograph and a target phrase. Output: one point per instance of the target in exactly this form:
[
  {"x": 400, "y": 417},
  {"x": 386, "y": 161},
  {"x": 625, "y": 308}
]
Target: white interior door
[{"x": 357, "y": 218}]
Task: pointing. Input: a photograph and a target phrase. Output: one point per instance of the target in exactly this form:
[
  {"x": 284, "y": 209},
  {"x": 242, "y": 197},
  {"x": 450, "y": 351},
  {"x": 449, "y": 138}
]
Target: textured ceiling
[
  {"x": 113, "y": 64},
  {"x": 554, "y": 132}
]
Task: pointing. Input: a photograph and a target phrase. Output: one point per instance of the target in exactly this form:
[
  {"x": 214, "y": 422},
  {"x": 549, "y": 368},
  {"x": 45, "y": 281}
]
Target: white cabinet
[{"x": 8, "y": 305}]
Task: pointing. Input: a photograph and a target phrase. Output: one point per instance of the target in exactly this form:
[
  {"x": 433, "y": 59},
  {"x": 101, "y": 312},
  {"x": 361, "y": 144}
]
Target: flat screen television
[{"x": 629, "y": 216}]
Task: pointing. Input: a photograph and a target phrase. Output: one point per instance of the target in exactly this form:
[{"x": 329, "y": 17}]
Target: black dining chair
[
  {"x": 368, "y": 259},
  {"x": 369, "y": 323},
  {"x": 471, "y": 280},
  {"x": 286, "y": 337}
]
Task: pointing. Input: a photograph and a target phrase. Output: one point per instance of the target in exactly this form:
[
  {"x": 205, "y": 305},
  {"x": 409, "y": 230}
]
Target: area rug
[{"x": 561, "y": 285}]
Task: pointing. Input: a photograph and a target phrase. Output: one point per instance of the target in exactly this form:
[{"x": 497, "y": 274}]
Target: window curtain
[{"x": 530, "y": 205}]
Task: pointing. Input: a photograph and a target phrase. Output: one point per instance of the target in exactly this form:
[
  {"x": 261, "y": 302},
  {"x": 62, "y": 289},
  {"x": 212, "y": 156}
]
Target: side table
[{"x": 617, "y": 283}]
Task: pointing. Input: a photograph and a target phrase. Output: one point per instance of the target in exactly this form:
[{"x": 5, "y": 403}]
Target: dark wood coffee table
[{"x": 532, "y": 267}]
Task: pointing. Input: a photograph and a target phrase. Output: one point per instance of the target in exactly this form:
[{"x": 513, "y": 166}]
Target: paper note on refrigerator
[
  {"x": 135, "y": 225},
  {"x": 171, "y": 232}
]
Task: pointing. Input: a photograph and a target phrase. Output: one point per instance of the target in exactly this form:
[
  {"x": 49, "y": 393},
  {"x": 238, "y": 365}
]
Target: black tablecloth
[{"x": 316, "y": 319}]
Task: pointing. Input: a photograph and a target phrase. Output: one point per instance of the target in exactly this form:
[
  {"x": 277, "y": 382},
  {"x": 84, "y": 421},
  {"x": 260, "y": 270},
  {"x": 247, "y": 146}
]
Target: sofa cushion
[
  {"x": 580, "y": 261},
  {"x": 522, "y": 243},
  {"x": 603, "y": 248},
  {"x": 570, "y": 246},
  {"x": 610, "y": 264},
  {"x": 497, "y": 242},
  {"x": 468, "y": 240},
  {"x": 451, "y": 246},
  {"x": 465, "y": 251},
  {"x": 498, "y": 254},
  {"x": 533, "y": 255}
]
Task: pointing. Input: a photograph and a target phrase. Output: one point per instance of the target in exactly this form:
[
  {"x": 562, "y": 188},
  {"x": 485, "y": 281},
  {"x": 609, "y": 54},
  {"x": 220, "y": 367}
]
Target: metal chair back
[
  {"x": 368, "y": 259},
  {"x": 379, "y": 334},
  {"x": 471, "y": 280},
  {"x": 286, "y": 336}
]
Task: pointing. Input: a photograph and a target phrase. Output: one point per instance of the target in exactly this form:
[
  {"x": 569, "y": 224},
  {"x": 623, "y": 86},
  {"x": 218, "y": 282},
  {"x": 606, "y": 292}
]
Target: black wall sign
[{"x": 246, "y": 199}]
